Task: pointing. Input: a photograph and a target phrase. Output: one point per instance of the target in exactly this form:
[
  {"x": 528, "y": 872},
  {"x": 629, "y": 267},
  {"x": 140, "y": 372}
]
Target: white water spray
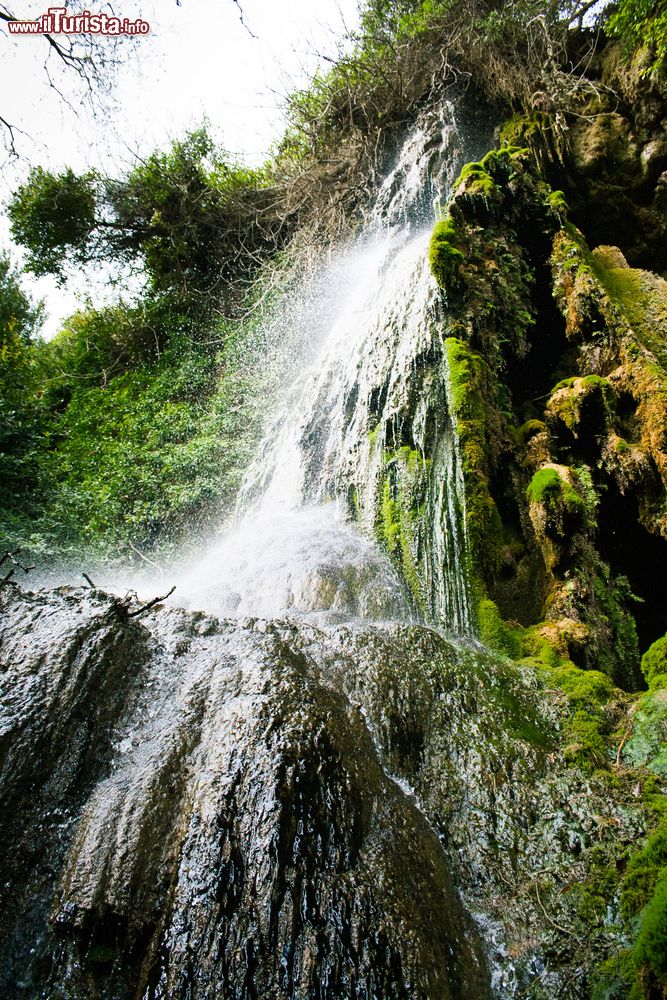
[{"x": 302, "y": 542}]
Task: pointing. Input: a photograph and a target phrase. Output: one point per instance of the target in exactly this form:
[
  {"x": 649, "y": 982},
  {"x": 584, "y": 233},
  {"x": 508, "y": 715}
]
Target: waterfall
[
  {"x": 308, "y": 514},
  {"x": 308, "y": 793}
]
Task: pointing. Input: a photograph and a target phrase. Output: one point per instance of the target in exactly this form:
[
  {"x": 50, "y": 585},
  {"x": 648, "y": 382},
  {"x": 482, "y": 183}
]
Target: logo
[{"x": 58, "y": 22}]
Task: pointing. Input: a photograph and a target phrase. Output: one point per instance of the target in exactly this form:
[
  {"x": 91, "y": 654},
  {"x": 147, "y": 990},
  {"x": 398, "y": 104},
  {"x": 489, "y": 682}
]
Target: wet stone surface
[{"x": 198, "y": 809}]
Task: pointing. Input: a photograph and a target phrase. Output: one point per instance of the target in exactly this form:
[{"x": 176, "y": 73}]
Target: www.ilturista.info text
[{"x": 57, "y": 21}]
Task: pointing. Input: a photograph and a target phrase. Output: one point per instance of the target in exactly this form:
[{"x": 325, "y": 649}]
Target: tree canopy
[{"x": 190, "y": 217}]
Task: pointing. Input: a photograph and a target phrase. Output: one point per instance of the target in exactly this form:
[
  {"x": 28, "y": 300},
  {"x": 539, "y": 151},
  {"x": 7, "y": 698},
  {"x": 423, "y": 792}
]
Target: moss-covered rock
[
  {"x": 654, "y": 663},
  {"x": 400, "y": 516},
  {"x": 444, "y": 257},
  {"x": 577, "y": 401},
  {"x": 495, "y": 633}
]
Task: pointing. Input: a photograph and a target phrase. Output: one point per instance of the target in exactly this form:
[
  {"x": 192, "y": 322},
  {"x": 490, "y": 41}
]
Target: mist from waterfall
[{"x": 303, "y": 538}]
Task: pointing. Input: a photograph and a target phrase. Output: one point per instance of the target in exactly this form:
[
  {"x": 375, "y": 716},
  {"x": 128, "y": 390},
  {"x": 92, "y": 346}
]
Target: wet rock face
[
  {"x": 66, "y": 672},
  {"x": 196, "y": 810},
  {"x": 263, "y": 809}
]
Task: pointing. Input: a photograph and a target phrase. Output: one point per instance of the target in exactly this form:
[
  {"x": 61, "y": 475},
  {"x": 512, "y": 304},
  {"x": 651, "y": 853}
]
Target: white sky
[{"x": 198, "y": 60}]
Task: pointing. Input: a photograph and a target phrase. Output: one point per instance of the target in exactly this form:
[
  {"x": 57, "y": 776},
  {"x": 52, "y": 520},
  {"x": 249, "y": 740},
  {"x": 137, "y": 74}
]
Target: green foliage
[
  {"x": 193, "y": 219},
  {"x": 114, "y": 467},
  {"x": 95, "y": 345},
  {"x": 187, "y": 213},
  {"x": 405, "y": 47},
  {"x": 137, "y": 441},
  {"x": 587, "y": 489},
  {"x": 19, "y": 318},
  {"x": 21, "y": 409},
  {"x": 640, "y": 23},
  {"x": 53, "y": 216}
]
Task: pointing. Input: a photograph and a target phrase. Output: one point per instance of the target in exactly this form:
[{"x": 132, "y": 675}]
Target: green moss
[
  {"x": 564, "y": 406},
  {"x": 484, "y": 179},
  {"x": 354, "y": 502},
  {"x": 586, "y": 729},
  {"x": 585, "y": 744},
  {"x": 495, "y": 633},
  {"x": 545, "y": 483},
  {"x": 444, "y": 256},
  {"x": 584, "y": 688},
  {"x": 616, "y": 978},
  {"x": 558, "y": 202},
  {"x": 413, "y": 460},
  {"x": 568, "y": 405},
  {"x": 641, "y": 297},
  {"x": 548, "y": 486},
  {"x": 593, "y": 895},
  {"x": 650, "y": 951},
  {"x": 645, "y": 869},
  {"x": 524, "y": 129},
  {"x": 647, "y": 743},
  {"x": 565, "y": 383},
  {"x": 501, "y": 163},
  {"x": 654, "y": 661},
  {"x": 477, "y": 181},
  {"x": 528, "y": 430},
  {"x": 391, "y": 520},
  {"x": 539, "y": 650},
  {"x": 654, "y": 800},
  {"x": 401, "y": 514},
  {"x": 594, "y": 380},
  {"x": 520, "y": 717},
  {"x": 465, "y": 379}
]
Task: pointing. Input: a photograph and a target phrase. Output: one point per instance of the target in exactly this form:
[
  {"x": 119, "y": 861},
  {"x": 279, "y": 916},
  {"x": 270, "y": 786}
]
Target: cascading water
[
  {"x": 295, "y": 547},
  {"x": 212, "y": 808}
]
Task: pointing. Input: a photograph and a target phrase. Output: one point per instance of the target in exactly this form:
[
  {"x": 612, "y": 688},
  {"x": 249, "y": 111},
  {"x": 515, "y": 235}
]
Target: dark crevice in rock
[{"x": 637, "y": 554}]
